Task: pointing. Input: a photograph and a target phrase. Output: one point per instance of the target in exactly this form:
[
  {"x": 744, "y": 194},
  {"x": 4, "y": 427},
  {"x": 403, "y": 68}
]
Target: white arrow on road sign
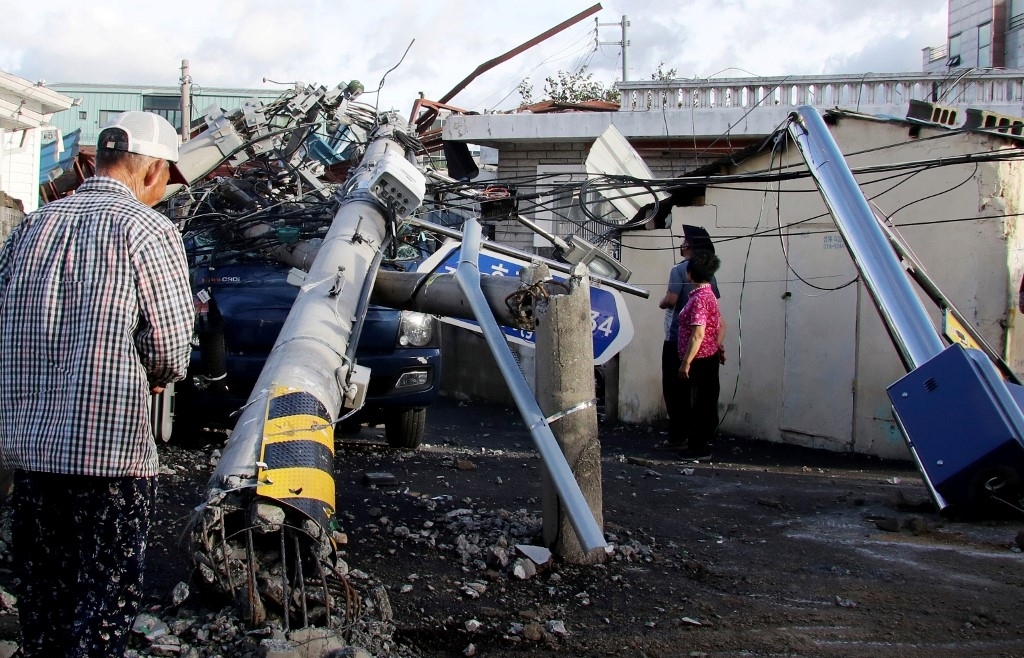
[{"x": 610, "y": 324}]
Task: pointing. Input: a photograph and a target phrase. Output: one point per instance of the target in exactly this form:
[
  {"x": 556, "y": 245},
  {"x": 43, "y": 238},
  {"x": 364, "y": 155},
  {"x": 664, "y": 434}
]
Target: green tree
[
  {"x": 573, "y": 87},
  {"x": 661, "y": 75}
]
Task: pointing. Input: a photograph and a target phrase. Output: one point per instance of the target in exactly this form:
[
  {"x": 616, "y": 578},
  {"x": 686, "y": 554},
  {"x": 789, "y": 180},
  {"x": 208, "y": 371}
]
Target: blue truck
[{"x": 242, "y": 301}]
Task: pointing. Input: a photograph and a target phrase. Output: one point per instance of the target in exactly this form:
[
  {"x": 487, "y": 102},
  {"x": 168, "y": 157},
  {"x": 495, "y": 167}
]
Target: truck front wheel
[{"x": 404, "y": 429}]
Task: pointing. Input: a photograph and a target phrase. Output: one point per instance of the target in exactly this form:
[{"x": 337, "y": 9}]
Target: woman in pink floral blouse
[{"x": 701, "y": 339}]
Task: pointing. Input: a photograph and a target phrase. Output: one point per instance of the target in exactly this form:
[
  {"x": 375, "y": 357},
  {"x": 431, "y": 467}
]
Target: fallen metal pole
[
  {"x": 580, "y": 515},
  {"x": 903, "y": 314},
  {"x": 277, "y": 468},
  {"x": 961, "y": 420}
]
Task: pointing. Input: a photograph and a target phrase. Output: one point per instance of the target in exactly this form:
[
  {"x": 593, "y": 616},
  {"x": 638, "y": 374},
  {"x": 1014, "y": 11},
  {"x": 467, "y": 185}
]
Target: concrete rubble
[{"x": 490, "y": 545}]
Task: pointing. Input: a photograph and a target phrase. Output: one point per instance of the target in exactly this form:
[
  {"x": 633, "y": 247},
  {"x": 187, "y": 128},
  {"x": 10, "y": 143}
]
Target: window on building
[
  {"x": 985, "y": 45},
  {"x": 560, "y": 212},
  {"x": 83, "y": 115},
  {"x": 954, "y": 50},
  {"x": 106, "y": 115},
  {"x": 1016, "y": 13},
  {"x": 169, "y": 107}
]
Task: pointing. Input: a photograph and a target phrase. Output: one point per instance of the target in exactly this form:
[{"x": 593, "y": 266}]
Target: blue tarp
[{"x": 49, "y": 167}]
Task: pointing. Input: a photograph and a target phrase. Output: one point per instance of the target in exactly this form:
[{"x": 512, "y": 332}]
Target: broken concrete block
[{"x": 315, "y": 642}]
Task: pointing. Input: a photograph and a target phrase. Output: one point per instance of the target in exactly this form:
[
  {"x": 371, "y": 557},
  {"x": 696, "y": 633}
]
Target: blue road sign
[{"x": 610, "y": 324}]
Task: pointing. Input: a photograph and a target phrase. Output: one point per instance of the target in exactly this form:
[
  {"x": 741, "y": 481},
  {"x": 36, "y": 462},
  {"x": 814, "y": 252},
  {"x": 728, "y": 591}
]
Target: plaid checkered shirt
[{"x": 95, "y": 308}]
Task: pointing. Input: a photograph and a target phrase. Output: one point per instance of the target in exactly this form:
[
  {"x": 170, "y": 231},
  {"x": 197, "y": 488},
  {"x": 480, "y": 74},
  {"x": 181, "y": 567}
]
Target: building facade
[
  {"x": 98, "y": 104},
  {"x": 808, "y": 363},
  {"x": 980, "y": 34},
  {"x": 25, "y": 109}
]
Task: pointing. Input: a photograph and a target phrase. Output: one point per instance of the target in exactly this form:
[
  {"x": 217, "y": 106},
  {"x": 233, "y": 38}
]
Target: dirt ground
[{"x": 767, "y": 550}]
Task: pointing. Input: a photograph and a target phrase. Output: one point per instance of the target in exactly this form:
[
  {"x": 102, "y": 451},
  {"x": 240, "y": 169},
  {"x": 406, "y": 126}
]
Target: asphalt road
[{"x": 765, "y": 550}]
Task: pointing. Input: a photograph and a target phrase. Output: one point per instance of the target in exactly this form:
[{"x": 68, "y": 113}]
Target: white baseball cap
[{"x": 144, "y": 133}]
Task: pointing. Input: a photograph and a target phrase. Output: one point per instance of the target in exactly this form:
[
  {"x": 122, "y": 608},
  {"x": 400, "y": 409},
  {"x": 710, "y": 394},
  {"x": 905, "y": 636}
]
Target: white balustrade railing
[{"x": 851, "y": 91}]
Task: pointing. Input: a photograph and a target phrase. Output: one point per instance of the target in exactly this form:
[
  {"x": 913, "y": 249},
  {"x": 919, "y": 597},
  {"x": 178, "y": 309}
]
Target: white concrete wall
[
  {"x": 19, "y": 165},
  {"x": 815, "y": 364}
]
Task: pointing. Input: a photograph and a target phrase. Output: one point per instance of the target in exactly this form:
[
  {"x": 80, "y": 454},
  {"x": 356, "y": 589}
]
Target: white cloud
[{"x": 237, "y": 43}]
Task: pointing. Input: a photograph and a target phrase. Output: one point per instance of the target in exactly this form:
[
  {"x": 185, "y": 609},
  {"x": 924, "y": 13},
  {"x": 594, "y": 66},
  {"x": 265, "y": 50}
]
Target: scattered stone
[
  {"x": 8, "y": 601},
  {"x": 477, "y": 587},
  {"x": 845, "y": 603},
  {"x": 497, "y": 557},
  {"x": 314, "y": 642},
  {"x": 150, "y": 626},
  {"x": 557, "y": 628},
  {"x": 769, "y": 502},
  {"x": 533, "y": 632},
  {"x": 537, "y": 554},
  {"x": 378, "y": 596},
  {"x": 273, "y": 648},
  {"x": 8, "y": 648},
  {"x": 465, "y": 465},
  {"x": 269, "y": 518},
  {"x": 651, "y": 473},
  {"x": 473, "y": 625},
  {"x": 470, "y": 650},
  {"x": 179, "y": 594},
  {"x": 690, "y": 621},
  {"x": 524, "y": 569},
  {"x": 379, "y": 479},
  {"x": 168, "y": 645}
]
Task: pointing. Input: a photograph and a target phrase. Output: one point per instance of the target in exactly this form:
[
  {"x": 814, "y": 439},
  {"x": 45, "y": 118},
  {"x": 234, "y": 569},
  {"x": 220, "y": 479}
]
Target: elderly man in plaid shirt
[{"x": 96, "y": 315}]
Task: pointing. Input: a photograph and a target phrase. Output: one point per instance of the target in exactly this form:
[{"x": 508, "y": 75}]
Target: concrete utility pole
[
  {"x": 186, "y": 101},
  {"x": 565, "y": 392},
  {"x": 624, "y": 24}
]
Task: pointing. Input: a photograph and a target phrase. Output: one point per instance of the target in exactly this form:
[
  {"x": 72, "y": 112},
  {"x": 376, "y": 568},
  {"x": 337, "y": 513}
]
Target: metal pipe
[
  {"x": 440, "y": 294},
  {"x": 468, "y": 275},
  {"x": 903, "y": 314}
]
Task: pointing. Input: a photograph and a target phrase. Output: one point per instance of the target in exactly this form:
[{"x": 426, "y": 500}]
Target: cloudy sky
[{"x": 239, "y": 43}]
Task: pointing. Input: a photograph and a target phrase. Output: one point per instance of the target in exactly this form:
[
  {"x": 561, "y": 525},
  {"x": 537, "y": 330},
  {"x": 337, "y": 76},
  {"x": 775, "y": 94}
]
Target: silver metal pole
[
  {"x": 625, "y": 47},
  {"x": 186, "y": 102},
  {"x": 468, "y": 275},
  {"x": 309, "y": 354},
  {"x": 902, "y": 311}
]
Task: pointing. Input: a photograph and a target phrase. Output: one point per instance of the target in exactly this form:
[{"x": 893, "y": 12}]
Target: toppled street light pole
[
  {"x": 961, "y": 421},
  {"x": 273, "y": 488}
]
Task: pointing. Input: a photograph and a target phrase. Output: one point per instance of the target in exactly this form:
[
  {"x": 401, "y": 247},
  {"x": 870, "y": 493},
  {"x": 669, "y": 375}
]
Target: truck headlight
[{"x": 417, "y": 329}]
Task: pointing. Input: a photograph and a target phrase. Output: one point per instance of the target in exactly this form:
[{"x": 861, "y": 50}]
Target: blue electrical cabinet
[{"x": 964, "y": 426}]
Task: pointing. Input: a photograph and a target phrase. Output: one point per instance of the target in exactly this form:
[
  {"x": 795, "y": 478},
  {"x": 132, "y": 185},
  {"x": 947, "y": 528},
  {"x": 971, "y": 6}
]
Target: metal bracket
[{"x": 571, "y": 410}]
